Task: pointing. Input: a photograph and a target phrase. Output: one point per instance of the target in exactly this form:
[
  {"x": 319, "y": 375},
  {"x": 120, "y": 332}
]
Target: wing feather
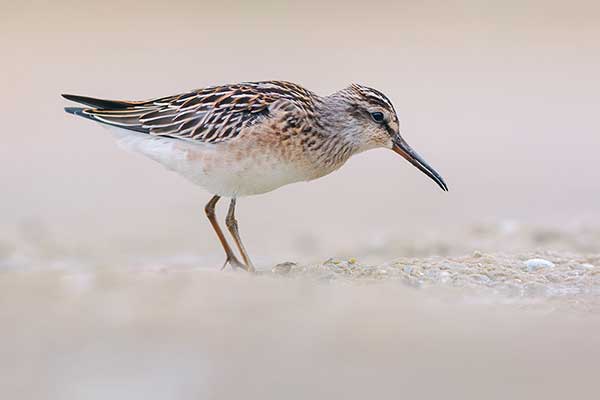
[{"x": 209, "y": 115}]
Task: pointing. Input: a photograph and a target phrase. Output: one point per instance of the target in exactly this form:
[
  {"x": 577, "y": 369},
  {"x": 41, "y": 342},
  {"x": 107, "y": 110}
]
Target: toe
[{"x": 235, "y": 263}]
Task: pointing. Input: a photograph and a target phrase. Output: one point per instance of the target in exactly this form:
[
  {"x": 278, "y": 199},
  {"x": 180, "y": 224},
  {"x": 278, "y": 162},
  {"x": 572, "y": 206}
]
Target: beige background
[{"x": 501, "y": 98}]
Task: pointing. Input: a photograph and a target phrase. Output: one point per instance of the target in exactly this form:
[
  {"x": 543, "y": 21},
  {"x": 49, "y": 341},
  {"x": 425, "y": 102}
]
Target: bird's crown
[{"x": 371, "y": 95}]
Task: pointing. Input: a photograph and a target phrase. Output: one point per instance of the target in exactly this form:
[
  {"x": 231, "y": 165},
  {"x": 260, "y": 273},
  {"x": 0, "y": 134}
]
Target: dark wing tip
[
  {"x": 89, "y": 114},
  {"x": 80, "y": 112},
  {"x": 68, "y": 96},
  {"x": 97, "y": 103},
  {"x": 74, "y": 110}
]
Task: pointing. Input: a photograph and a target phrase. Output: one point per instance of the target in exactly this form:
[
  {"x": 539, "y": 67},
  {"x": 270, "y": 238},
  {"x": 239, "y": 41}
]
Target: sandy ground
[{"x": 511, "y": 324}]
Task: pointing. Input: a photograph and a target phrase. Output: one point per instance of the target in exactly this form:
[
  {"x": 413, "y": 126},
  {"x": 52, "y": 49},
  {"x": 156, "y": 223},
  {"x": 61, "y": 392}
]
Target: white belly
[{"x": 219, "y": 168}]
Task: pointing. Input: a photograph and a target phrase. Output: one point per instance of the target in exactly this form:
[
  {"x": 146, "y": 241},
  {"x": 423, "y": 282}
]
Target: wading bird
[{"x": 250, "y": 138}]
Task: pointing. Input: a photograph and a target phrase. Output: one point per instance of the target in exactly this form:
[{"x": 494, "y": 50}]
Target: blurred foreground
[{"x": 517, "y": 324}]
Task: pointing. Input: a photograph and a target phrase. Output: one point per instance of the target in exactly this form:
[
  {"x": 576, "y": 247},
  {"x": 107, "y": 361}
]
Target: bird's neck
[{"x": 340, "y": 136}]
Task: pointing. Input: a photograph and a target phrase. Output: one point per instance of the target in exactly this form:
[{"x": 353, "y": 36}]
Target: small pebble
[
  {"x": 480, "y": 278},
  {"x": 433, "y": 274},
  {"x": 283, "y": 268},
  {"x": 537, "y": 263},
  {"x": 444, "y": 276}
]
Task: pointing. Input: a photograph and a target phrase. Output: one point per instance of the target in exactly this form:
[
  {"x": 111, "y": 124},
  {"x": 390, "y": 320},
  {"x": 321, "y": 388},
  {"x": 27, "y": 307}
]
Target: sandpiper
[{"x": 253, "y": 137}]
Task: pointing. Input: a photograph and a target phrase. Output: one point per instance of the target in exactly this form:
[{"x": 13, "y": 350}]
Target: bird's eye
[{"x": 377, "y": 116}]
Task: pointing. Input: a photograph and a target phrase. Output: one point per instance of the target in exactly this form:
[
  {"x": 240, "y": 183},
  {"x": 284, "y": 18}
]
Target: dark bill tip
[{"x": 402, "y": 148}]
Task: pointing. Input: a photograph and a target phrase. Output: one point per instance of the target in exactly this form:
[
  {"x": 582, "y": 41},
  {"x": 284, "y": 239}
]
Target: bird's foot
[
  {"x": 235, "y": 263},
  {"x": 249, "y": 266}
]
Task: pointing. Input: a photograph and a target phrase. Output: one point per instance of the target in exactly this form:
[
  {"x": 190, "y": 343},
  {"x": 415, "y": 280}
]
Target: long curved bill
[{"x": 402, "y": 148}]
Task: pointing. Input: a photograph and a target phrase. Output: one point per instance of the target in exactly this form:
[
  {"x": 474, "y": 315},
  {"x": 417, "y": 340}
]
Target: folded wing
[{"x": 209, "y": 115}]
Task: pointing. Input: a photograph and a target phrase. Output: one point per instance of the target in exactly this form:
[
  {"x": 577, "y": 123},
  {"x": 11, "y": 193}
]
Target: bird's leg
[
  {"x": 209, "y": 209},
  {"x": 232, "y": 225}
]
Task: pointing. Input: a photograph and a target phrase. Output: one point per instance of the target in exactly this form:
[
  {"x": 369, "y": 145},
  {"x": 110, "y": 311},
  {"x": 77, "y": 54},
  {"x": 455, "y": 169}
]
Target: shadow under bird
[{"x": 253, "y": 137}]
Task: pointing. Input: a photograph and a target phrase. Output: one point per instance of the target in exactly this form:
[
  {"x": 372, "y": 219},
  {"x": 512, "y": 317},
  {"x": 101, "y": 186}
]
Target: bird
[{"x": 249, "y": 138}]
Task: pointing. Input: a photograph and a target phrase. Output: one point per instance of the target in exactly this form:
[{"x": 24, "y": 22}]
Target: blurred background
[{"x": 500, "y": 97}]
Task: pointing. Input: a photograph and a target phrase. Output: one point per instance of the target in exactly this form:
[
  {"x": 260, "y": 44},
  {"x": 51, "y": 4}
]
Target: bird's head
[{"x": 374, "y": 124}]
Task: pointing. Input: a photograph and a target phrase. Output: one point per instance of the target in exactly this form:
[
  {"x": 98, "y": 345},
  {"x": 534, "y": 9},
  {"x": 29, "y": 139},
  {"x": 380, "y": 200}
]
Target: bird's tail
[
  {"x": 118, "y": 113},
  {"x": 99, "y": 103}
]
